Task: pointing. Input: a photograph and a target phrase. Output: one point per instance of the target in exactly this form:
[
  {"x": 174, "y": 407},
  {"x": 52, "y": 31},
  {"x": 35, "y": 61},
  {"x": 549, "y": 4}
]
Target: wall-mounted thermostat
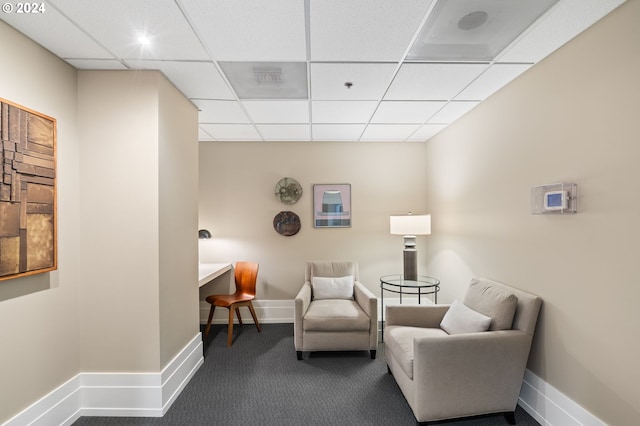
[{"x": 554, "y": 198}]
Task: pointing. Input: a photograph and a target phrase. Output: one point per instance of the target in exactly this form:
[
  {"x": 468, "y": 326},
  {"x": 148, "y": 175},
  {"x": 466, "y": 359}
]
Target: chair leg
[
  {"x": 510, "y": 417},
  {"x": 373, "y": 354},
  {"x": 299, "y": 354},
  {"x": 230, "y": 327},
  {"x": 206, "y": 330},
  {"x": 238, "y": 315},
  {"x": 255, "y": 318}
]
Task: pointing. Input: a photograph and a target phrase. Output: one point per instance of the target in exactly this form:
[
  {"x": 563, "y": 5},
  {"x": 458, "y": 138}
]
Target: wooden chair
[{"x": 246, "y": 274}]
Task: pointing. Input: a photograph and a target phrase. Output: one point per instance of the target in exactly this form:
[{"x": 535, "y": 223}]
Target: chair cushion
[
  {"x": 462, "y": 319},
  {"x": 332, "y": 287},
  {"x": 335, "y": 315},
  {"x": 399, "y": 341},
  {"x": 495, "y": 302}
]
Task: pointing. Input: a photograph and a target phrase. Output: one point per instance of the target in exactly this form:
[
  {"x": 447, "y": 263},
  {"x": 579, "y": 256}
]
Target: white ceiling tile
[
  {"x": 452, "y": 111},
  {"x": 255, "y": 31},
  {"x": 284, "y": 132},
  {"x": 194, "y": 79},
  {"x": 436, "y": 82},
  {"x": 426, "y": 132},
  {"x": 331, "y": 42},
  {"x": 68, "y": 41},
  {"x": 278, "y": 111},
  {"x": 232, "y": 132},
  {"x": 416, "y": 112},
  {"x": 342, "y": 111},
  {"x": 565, "y": 21},
  {"x": 97, "y": 64},
  {"x": 364, "y": 30},
  {"x": 493, "y": 79},
  {"x": 386, "y": 132},
  {"x": 337, "y": 132},
  {"x": 369, "y": 81},
  {"x": 118, "y": 30},
  {"x": 203, "y": 135},
  {"x": 213, "y": 111}
]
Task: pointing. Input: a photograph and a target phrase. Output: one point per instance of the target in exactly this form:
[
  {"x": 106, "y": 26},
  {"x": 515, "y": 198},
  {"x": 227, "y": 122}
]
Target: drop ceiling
[{"x": 316, "y": 70}]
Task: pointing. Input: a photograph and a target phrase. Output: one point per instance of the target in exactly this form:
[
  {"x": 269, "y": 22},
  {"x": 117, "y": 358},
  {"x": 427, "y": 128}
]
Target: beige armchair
[
  {"x": 462, "y": 374},
  {"x": 334, "y": 311}
]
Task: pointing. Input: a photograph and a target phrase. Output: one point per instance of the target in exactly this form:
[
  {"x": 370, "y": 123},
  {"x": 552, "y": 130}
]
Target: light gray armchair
[
  {"x": 334, "y": 311},
  {"x": 462, "y": 374}
]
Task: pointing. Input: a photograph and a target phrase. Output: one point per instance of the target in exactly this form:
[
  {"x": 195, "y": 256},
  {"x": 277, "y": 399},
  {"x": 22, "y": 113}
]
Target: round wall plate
[
  {"x": 286, "y": 223},
  {"x": 288, "y": 190}
]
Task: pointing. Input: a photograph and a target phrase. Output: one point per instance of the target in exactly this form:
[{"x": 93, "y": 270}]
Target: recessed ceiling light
[{"x": 144, "y": 40}]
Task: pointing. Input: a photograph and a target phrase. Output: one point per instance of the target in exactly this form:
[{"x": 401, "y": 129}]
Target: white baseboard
[
  {"x": 549, "y": 406},
  {"x": 59, "y": 407},
  {"x": 267, "y": 311},
  {"x": 281, "y": 311},
  {"x": 151, "y": 394},
  {"x": 115, "y": 394}
]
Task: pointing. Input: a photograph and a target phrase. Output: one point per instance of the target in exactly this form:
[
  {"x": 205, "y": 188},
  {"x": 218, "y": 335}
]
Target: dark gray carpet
[{"x": 259, "y": 381}]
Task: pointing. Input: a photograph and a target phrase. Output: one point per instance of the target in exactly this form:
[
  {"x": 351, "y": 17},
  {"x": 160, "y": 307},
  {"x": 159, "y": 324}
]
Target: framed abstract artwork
[
  {"x": 28, "y": 240},
  {"x": 332, "y": 206}
]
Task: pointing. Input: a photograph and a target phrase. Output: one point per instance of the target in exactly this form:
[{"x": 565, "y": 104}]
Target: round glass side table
[{"x": 422, "y": 286}]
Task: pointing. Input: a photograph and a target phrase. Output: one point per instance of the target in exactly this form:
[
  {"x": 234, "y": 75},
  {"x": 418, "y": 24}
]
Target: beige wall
[
  {"x": 138, "y": 299},
  {"x": 178, "y": 221},
  {"x": 238, "y": 204},
  {"x": 126, "y": 149},
  {"x": 572, "y": 118},
  {"x": 118, "y": 114},
  {"x": 39, "y": 337}
]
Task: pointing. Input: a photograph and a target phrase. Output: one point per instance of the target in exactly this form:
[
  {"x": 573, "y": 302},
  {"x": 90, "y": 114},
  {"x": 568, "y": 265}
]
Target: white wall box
[{"x": 554, "y": 198}]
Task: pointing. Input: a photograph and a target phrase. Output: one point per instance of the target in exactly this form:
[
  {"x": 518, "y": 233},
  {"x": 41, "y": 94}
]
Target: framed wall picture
[
  {"x": 27, "y": 192},
  {"x": 332, "y": 205}
]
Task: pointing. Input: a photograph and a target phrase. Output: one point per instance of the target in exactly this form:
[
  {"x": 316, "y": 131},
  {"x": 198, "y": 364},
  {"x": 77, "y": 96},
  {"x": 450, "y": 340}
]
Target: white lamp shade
[{"x": 413, "y": 224}]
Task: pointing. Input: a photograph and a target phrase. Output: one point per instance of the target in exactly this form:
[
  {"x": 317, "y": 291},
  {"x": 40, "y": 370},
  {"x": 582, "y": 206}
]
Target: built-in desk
[{"x": 209, "y": 271}]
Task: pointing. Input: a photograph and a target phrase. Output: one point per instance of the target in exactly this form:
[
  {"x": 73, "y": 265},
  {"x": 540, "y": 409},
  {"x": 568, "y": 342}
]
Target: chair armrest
[
  {"x": 484, "y": 370},
  {"x": 369, "y": 304},
  {"x": 366, "y": 299},
  {"x": 302, "y": 300},
  {"x": 428, "y": 316},
  {"x": 300, "y": 305}
]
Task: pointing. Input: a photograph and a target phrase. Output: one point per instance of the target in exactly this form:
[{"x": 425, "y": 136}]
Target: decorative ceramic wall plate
[
  {"x": 286, "y": 223},
  {"x": 288, "y": 190}
]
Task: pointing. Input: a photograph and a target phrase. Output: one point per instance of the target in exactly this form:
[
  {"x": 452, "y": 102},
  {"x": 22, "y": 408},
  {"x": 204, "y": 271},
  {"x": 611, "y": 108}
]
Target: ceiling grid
[{"x": 371, "y": 70}]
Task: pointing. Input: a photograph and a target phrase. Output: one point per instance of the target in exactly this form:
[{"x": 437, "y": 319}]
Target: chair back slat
[{"x": 246, "y": 275}]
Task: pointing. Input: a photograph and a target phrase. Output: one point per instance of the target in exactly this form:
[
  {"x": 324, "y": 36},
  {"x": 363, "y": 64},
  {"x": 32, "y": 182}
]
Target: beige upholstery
[
  {"x": 446, "y": 376},
  {"x": 335, "y": 324}
]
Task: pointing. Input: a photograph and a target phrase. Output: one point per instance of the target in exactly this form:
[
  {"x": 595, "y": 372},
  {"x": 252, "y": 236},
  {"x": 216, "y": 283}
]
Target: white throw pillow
[
  {"x": 462, "y": 319},
  {"x": 332, "y": 287}
]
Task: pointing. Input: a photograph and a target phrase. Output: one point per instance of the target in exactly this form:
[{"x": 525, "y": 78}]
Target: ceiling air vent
[
  {"x": 267, "y": 80},
  {"x": 474, "y": 30}
]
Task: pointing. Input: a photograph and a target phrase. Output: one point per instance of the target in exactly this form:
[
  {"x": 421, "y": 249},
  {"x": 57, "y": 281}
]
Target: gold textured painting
[{"x": 27, "y": 192}]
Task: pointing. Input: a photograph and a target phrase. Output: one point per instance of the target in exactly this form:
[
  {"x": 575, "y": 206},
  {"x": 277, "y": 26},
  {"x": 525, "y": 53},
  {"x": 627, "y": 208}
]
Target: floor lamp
[{"x": 410, "y": 226}]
